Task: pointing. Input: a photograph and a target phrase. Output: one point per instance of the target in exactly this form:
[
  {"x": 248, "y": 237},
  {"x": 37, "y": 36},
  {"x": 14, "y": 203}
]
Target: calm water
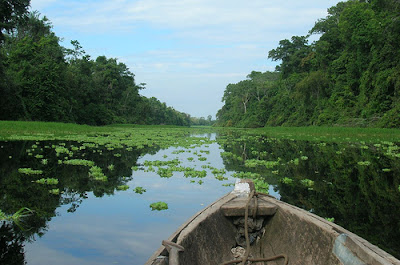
[{"x": 92, "y": 222}]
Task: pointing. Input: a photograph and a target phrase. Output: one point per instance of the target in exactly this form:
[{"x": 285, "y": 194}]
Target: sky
[{"x": 186, "y": 51}]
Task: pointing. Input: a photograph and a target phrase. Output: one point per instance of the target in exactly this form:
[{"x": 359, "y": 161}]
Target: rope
[
  {"x": 282, "y": 256},
  {"x": 246, "y": 232},
  {"x": 246, "y": 228}
]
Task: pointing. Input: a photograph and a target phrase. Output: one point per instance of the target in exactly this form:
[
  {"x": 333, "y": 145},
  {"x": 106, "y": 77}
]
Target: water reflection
[
  {"x": 91, "y": 222},
  {"x": 356, "y": 184}
]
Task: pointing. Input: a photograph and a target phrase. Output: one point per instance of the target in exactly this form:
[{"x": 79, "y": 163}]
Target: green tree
[
  {"x": 349, "y": 76},
  {"x": 11, "y": 12},
  {"x": 35, "y": 68},
  {"x": 294, "y": 55}
]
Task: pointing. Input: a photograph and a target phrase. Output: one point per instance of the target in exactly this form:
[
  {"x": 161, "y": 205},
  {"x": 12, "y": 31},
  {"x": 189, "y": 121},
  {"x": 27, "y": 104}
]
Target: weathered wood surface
[
  {"x": 237, "y": 207},
  {"x": 306, "y": 239}
]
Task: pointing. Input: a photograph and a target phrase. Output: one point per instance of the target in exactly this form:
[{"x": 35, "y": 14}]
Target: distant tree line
[
  {"x": 349, "y": 77},
  {"x": 41, "y": 80},
  {"x": 202, "y": 121}
]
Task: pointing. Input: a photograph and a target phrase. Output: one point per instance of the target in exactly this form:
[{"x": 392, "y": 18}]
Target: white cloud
[
  {"x": 39, "y": 4},
  {"x": 178, "y": 45},
  {"x": 205, "y": 18}
]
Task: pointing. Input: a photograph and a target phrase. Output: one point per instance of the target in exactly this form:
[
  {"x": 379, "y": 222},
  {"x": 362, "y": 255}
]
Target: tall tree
[
  {"x": 11, "y": 12},
  {"x": 349, "y": 76},
  {"x": 35, "y": 68}
]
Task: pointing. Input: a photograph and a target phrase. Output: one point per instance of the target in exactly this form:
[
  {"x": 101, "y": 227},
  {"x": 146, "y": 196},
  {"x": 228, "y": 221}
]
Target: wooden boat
[{"x": 282, "y": 233}]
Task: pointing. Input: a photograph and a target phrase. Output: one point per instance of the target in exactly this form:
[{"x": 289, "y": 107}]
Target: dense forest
[
  {"x": 40, "y": 80},
  {"x": 350, "y": 76}
]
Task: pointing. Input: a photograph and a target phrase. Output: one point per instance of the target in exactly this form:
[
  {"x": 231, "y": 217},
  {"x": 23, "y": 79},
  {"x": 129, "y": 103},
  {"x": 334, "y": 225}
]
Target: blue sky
[{"x": 186, "y": 51}]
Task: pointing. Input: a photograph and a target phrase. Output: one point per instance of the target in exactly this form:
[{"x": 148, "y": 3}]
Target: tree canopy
[
  {"x": 350, "y": 76},
  {"x": 43, "y": 81}
]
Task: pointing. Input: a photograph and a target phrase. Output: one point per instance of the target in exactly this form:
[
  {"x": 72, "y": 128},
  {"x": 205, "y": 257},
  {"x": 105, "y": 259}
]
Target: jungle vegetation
[
  {"x": 350, "y": 76},
  {"x": 40, "y": 80}
]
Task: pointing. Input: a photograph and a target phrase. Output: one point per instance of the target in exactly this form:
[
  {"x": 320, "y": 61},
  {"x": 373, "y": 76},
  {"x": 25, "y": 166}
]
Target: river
[{"x": 88, "y": 221}]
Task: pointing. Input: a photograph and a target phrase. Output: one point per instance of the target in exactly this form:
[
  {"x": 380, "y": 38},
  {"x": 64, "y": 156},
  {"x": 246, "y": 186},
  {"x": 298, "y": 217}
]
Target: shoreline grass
[
  {"x": 8, "y": 128},
  {"x": 22, "y": 130},
  {"x": 332, "y": 134}
]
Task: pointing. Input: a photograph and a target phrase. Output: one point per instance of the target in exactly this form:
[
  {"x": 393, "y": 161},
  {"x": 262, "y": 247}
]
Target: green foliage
[
  {"x": 96, "y": 173},
  {"x": 139, "y": 190},
  {"x": 30, "y": 171},
  {"x": 122, "y": 187},
  {"x": 307, "y": 182},
  {"x": 253, "y": 163},
  {"x": 261, "y": 185},
  {"x": 330, "y": 219},
  {"x": 79, "y": 162},
  {"x": 364, "y": 163},
  {"x": 47, "y": 82},
  {"x": 287, "y": 181},
  {"x": 11, "y": 12},
  {"x": 165, "y": 172},
  {"x": 54, "y": 191},
  {"x": 159, "y": 206},
  {"x": 47, "y": 181},
  {"x": 17, "y": 217},
  {"x": 349, "y": 76}
]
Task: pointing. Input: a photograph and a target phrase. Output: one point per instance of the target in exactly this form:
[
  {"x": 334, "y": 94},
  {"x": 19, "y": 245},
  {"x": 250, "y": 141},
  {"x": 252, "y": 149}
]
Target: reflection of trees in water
[
  {"x": 359, "y": 196},
  {"x": 11, "y": 246},
  {"x": 18, "y": 190}
]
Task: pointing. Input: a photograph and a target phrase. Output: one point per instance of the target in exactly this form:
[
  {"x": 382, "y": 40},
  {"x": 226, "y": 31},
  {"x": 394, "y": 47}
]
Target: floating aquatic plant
[
  {"x": 295, "y": 161},
  {"x": 191, "y": 173},
  {"x": 96, "y": 173},
  {"x": 261, "y": 185},
  {"x": 216, "y": 171},
  {"x": 29, "y": 171},
  {"x": 159, "y": 206},
  {"x": 122, "y": 187},
  {"x": 178, "y": 152},
  {"x": 165, "y": 172},
  {"x": 79, "y": 162},
  {"x": 221, "y": 177},
  {"x": 48, "y": 181},
  {"x": 257, "y": 163},
  {"x": 244, "y": 175},
  {"x": 364, "y": 163},
  {"x": 62, "y": 150},
  {"x": 54, "y": 191},
  {"x": 139, "y": 190},
  {"x": 307, "y": 182},
  {"x": 287, "y": 180},
  {"x": 16, "y": 217}
]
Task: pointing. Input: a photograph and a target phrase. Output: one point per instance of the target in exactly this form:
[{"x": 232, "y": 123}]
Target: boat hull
[{"x": 209, "y": 236}]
